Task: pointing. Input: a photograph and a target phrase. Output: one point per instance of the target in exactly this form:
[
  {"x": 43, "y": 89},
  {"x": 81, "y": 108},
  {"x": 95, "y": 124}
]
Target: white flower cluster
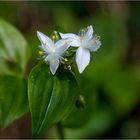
[{"x": 53, "y": 51}]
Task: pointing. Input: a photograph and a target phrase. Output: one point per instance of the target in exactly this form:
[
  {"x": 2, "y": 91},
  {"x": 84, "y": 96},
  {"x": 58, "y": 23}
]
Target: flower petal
[
  {"x": 46, "y": 42},
  {"x": 54, "y": 63},
  {"x": 62, "y": 45},
  {"x": 94, "y": 45},
  {"x": 76, "y": 42},
  {"x": 82, "y": 58},
  {"x": 44, "y": 39},
  {"x": 89, "y": 32}
]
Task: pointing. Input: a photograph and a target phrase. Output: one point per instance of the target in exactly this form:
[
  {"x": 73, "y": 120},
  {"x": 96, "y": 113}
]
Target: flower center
[
  {"x": 94, "y": 41},
  {"x": 53, "y": 50},
  {"x": 82, "y": 38}
]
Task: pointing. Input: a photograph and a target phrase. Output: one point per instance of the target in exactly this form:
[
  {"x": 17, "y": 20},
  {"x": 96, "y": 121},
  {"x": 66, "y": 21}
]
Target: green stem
[
  {"x": 78, "y": 84},
  {"x": 60, "y": 130}
]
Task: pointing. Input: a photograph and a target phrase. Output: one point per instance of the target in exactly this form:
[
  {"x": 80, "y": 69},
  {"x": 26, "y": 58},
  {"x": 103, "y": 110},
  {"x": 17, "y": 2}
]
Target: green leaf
[
  {"x": 13, "y": 99},
  {"x": 13, "y": 50},
  {"x": 51, "y": 98}
]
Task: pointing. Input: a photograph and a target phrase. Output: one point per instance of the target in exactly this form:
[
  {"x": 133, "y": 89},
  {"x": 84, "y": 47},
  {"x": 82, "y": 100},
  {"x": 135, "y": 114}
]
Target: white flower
[
  {"x": 86, "y": 43},
  {"x": 53, "y": 51}
]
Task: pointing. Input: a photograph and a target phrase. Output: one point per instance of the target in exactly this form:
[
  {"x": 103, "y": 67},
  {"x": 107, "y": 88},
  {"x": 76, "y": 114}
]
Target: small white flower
[
  {"x": 53, "y": 51},
  {"x": 86, "y": 43}
]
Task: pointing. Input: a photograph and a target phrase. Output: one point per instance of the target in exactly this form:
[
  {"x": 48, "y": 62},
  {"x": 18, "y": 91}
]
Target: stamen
[
  {"x": 67, "y": 67},
  {"x": 65, "y": 59},
  {"x": 53, "y": 37},
  {"x": 40, "y": 52},
  {"x": 88, "y": 27}
]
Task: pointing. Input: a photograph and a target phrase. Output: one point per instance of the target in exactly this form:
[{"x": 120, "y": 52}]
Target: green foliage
[
  {"x": 13, "y": 85},
  {"x": 13, "y": 99},
  {"x": 110, "y": 85},
  {"x": 13, "y": 50},
  {"x": 51, "y": 98},
  {"x": 111, "y": 89}
]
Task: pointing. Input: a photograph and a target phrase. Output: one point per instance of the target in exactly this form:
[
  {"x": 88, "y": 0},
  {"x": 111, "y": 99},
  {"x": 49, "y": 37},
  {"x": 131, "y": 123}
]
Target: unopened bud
[
  {"x": 55, "y": 36},
  {"x": 80, "y": 102}
]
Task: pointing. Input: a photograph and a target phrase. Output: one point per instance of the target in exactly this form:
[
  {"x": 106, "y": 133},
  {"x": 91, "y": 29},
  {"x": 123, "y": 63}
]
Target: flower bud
[
  {"x": 80, "y": 102},
  {"x": 55, "y": 36}
]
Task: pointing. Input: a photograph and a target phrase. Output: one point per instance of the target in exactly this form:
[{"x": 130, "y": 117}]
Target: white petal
[
  {"x": 62, "y": 45},
  {"x": 89, "y": 32},
  {"x": 94, "y": 45},
  {"x": 44, "y": 39},
  {"x": 54, "y": 63},
  {"x": 76, "y": 42},
  {"x": 82, "y": 58},
  {"x": 46, "y": 42}
]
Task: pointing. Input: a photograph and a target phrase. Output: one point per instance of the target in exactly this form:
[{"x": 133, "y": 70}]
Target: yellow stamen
[
  {"x": 40, "y": 52},
  {"x": 53, "y": 37},
  {"x": 65, "y": 59},
  {"x": 88, "y": 27}
]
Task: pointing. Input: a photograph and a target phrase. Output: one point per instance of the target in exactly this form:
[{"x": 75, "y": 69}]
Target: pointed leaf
[{"x": 51, "y": 98}]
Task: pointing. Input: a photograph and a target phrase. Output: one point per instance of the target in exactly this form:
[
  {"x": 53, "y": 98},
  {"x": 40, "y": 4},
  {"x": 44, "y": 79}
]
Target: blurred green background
[{"x": 110, "y": 84}]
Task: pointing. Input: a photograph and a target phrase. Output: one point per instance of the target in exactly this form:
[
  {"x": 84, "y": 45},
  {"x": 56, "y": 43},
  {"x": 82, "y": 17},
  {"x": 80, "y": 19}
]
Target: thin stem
[
  {"x": 78, "y": 84},
  {"x": 60, "y": 130}
]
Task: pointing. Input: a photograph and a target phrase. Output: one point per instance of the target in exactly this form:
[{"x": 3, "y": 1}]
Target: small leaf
[
  {"x": 13, "y": 50},
  {"x": 51, "y": 98},
  {"x": 13, "y": 99}
]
